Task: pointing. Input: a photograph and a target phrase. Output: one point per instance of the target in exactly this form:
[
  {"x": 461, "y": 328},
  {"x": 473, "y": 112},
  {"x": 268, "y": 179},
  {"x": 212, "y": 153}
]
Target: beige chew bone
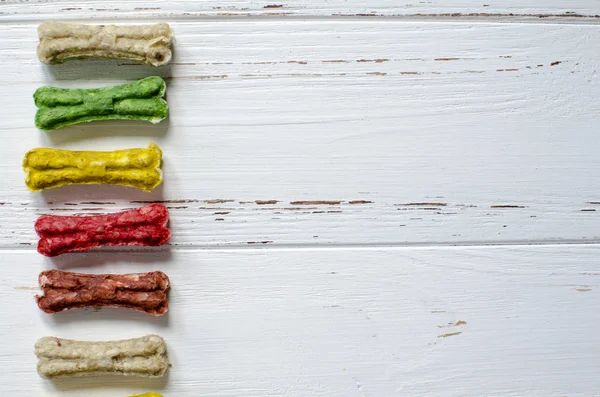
[
  {"x": 60, "y": 358},
  {"x": 148, "y": 44}
]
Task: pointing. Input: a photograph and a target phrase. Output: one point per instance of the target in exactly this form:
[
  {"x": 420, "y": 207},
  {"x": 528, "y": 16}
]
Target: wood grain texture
[
  {"x": 501, "y": 321},
  {"x": 187, "y": 9},
  {"x": 339, "y": 132},
  {"x": 321, "y": 159}
]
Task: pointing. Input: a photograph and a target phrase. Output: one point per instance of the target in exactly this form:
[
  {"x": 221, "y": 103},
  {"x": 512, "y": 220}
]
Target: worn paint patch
[
  {"x": 317, "y": 202},
  {"x": 265, "y": 202},
  {"x": 502, "y": 15},
  {"x": 219, "y": 201},
  {"x": 450, "y": 334},
  {"x": 422, "y": 205},
  {"x": 293, "y": 75},
  {"x": 507, "y": 206},
  {"x": 181, "y": 201},
  {"x": 453, "y": 324},
  {"x": 372, "y": 60}
]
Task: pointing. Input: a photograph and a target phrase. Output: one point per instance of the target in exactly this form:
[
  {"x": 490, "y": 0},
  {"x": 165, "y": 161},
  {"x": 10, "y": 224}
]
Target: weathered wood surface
[
  {"x": 354, "y": 132},
  {"x": 318, "y": 170},
  {"x": 486, "y": 321}
]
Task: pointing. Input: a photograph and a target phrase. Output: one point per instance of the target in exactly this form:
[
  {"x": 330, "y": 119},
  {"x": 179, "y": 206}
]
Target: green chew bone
[{"x": 139, "y": 100}]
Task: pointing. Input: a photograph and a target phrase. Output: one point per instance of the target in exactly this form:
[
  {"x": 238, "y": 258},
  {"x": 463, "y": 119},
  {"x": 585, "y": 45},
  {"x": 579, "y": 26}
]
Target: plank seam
[{"x": 563, "y": 19}]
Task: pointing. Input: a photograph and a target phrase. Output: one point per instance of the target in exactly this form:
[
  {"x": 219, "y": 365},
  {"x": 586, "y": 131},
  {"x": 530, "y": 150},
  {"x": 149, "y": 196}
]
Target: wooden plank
[
  {"x": 112, "y": 9},
  {"x": 347, "y": 132},
  {"x": 508, "y": 321}
]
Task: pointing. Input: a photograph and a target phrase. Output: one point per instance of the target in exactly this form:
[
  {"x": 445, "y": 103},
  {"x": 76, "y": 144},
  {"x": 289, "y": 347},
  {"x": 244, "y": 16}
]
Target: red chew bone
[
  {"x": 145, "y": 226},
  {"x": 65, "y": 290}
]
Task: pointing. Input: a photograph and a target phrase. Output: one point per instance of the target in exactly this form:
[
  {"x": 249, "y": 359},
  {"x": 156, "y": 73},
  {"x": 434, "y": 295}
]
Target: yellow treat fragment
[
  {"x": 49, "y": 168},
  {"x": 148, "y": 395}
]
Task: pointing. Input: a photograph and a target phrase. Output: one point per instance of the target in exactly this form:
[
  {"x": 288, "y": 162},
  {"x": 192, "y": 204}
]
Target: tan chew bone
[{"x": 150, "y": 44}]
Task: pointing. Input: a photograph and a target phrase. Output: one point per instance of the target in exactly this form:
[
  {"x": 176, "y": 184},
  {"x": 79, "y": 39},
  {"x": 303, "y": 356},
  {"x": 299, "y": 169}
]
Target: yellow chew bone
[
  {"x": 148, "y": 395},
  {"x": 49, "y": 168}
]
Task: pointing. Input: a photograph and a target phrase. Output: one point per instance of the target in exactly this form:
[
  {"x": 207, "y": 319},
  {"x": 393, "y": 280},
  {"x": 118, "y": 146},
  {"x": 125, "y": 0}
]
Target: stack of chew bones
[{"x": 47, "y": 168}]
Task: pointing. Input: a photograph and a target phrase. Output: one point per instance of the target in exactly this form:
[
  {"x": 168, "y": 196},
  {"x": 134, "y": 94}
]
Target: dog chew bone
[
  {"x": 145, "y": 226},
  {"x": 148, "y": 44},
  {"x": 60, "y": 358},
  {"x": 144, "y": 292},
  {"x": 138, "y": 100},
  {"x": 148, "y": 395},
  {"x": 50, "y": 168}
]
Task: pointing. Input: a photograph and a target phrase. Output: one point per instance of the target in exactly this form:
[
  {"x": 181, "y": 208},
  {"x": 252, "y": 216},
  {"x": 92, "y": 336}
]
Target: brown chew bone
[{"x": 144, "y": 292}]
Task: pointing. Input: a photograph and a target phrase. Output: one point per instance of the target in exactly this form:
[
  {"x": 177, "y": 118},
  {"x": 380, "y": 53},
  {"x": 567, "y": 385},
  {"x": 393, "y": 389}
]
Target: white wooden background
[{"x": 368, "y": 198}]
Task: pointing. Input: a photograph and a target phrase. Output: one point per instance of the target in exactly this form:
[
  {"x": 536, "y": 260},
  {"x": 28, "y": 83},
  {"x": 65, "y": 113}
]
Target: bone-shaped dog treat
[
  {"x": 145, "y": 226},
  {"x": 148, "y": 395},
  {"x": 138, "y": 100},
  {"x": 144, "y": 292},
  {"x": 60, "y": 358},
  {"x": 49, "y": 168},
  {"x": 61, "y": 42}
]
